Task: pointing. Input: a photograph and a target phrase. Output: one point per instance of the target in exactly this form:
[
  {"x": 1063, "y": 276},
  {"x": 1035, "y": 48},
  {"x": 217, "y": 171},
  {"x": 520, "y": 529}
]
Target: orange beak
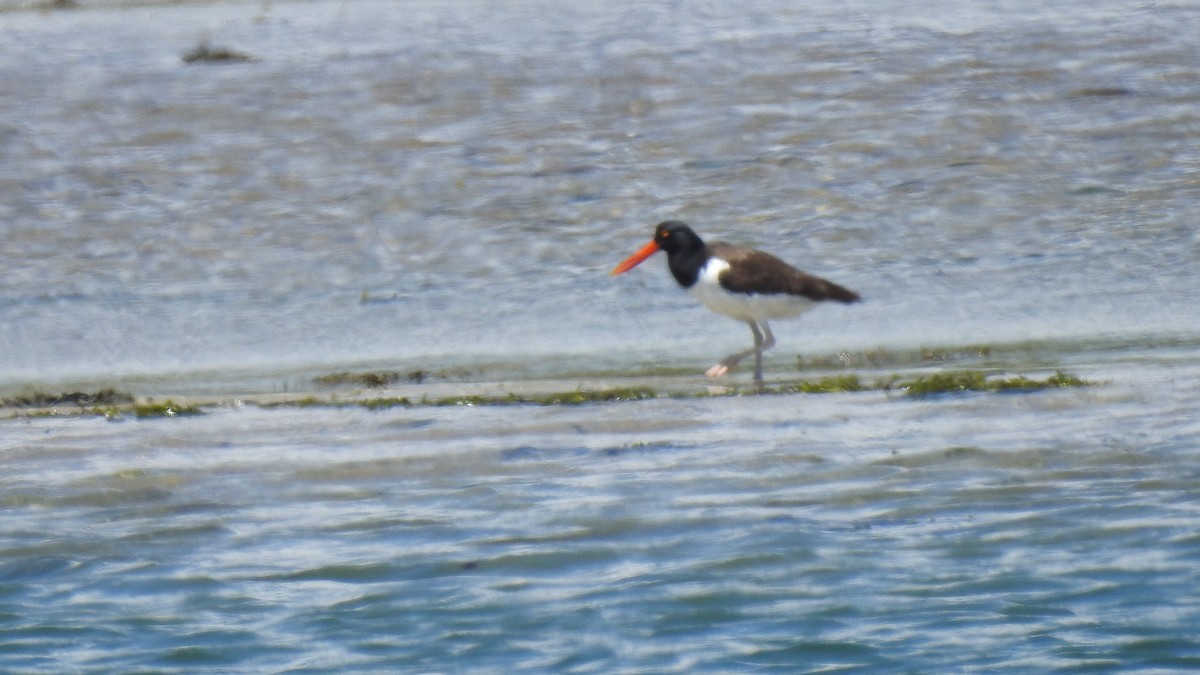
[{"x": 636, "y": 259}]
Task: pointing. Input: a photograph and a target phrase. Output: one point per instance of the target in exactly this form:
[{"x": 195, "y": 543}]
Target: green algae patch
[
  {"x": 385, "y": 403},
  {"x": 945, "y": 382},
  {"x": 977, "y": 380},
  {"x": 381, "y": 403},
  {"x": 578, "y": 397},
  {"x": 116, "y": 405},
  {"x": 574, "y": 397},
  {"x": 1059, "y": 380},
  {"x": 108, "y": 403},
  {"x": 76, "y": 399},
  {"x": 165, "y": 409},
  {"x": 826, "y": 385},
  {"x": 942, "y": 383}
]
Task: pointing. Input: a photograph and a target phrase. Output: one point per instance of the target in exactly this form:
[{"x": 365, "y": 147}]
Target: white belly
[{"x": 744, "y": 306}]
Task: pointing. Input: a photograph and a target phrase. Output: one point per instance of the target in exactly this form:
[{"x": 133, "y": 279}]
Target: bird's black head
[
  {"x": 686, "y": 252},
  {"x": 673, "y": 235}
]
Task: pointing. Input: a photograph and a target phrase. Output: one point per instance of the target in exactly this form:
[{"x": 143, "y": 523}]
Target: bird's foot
[
  {"x": 723, "y": 367},
  {"x": 718, "y": 370}
]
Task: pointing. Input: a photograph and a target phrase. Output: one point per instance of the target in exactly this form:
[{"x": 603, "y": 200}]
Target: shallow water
[
  {"x": 1019, "y": 172},
  {"x": 444, "y": 186},
  {"x": 1023, "y": 532}
]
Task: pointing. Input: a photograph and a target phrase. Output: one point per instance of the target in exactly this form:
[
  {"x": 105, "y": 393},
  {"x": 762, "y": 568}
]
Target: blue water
[
  {"x": 444, "y": 186},
  {"x": 475, "y": 171},
  {"x": 1024, "y": 532}
]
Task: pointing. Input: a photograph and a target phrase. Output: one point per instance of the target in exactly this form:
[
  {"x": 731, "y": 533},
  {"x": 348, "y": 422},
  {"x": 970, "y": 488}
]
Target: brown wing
[{"x": 753, "y": 271}]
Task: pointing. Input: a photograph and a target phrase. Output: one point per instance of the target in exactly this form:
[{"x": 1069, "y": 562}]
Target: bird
[{"x": 742, "y": 283}]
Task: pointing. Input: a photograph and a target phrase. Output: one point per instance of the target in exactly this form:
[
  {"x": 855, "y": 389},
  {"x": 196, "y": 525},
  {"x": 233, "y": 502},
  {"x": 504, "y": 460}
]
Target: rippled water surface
[
  {"x": 443, "y": 187},
  {"x": 1028, "y": 531}
]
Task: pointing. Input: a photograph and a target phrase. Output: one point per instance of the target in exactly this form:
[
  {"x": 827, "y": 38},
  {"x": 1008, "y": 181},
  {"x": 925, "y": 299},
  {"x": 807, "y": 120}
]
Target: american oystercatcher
[{"x": 741, "y": 283}]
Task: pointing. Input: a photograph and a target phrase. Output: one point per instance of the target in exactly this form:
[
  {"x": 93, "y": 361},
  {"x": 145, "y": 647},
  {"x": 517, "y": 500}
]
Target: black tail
[{"x": 840, "y": 293}]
